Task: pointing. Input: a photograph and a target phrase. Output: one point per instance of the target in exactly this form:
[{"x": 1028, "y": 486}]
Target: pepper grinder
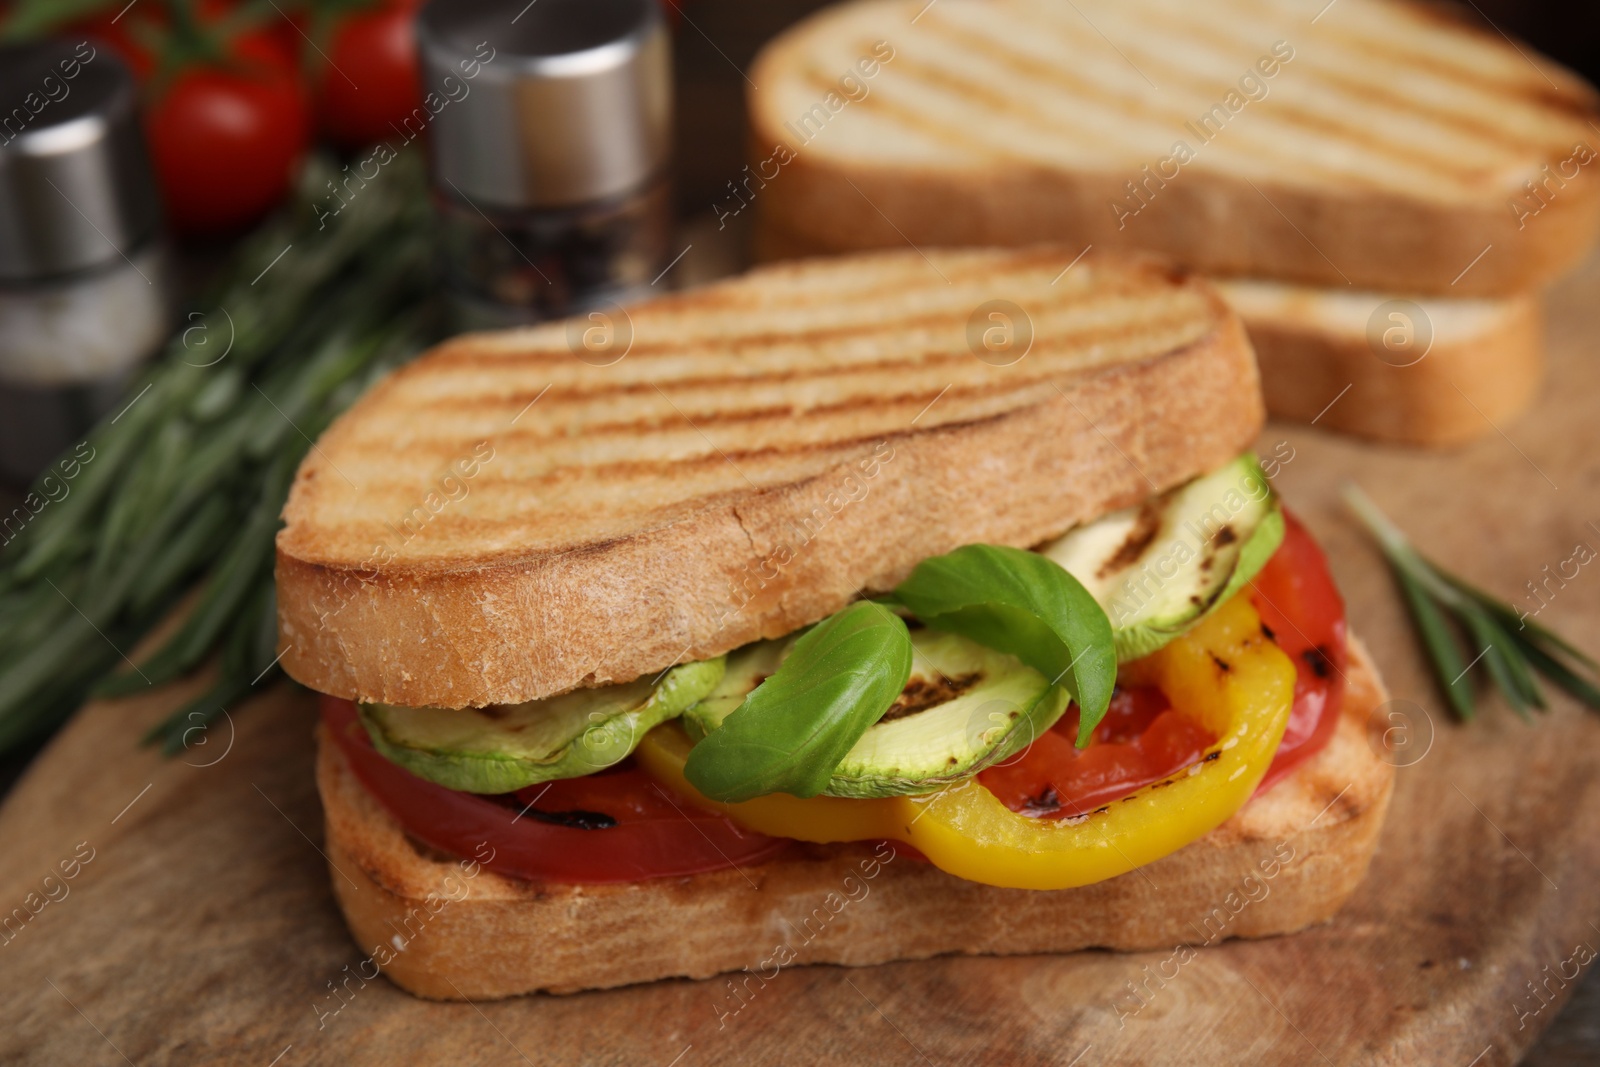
[
  {"x": 84, "y": 287},
  {"x": 550, "y": 136}
]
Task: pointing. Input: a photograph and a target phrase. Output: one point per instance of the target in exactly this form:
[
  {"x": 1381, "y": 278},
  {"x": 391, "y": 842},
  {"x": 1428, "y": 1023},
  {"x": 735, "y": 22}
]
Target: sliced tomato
[
  {"x": 1141, "y": 740},
  {"x": 617, "y": 826},
  {"x": 1298, "y": 602}
]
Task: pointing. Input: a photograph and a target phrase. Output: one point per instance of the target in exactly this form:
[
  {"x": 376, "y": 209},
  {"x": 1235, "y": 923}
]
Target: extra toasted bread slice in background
[
  {"x": 1289, "y": 859},
  {"x": 1378, "y": 144},
  {"x": 1459, "y": 368},
  {"x": 501, "y": 520}
]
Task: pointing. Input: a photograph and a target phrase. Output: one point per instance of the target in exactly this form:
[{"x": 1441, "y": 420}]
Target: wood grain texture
[{"x": 204, "y": 931}]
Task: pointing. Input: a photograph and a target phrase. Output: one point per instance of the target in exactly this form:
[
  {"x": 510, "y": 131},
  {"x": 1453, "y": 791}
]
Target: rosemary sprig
[
  {"x": 1510, "y": 646},
  {"x": 184, "y": 487}
]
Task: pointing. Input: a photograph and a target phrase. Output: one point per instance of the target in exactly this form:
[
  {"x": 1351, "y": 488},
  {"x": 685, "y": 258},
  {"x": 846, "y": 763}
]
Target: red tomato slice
[
  {"x": 1142, "y": 740},
  {"x": 616, "y": 826},
  {"x": 1295, "y": 596}
]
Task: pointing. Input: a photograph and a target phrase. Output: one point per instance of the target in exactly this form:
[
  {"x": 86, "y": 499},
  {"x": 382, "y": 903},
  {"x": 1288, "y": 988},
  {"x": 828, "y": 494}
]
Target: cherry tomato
[
  {"x": 1141, "y": 740},
  {"x": 1298, "y": 602},
  {"x": 228, "y": 139},
  {"x": 616, "y": 826},
  {"x": 369, "y": 82}
]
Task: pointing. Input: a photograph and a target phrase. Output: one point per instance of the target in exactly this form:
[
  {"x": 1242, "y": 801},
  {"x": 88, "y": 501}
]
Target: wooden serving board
[{"x": 203, "y": 929}]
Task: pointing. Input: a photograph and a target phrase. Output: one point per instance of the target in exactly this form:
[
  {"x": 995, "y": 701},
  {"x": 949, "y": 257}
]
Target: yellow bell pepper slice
[{"x": 1225, "y": 672}]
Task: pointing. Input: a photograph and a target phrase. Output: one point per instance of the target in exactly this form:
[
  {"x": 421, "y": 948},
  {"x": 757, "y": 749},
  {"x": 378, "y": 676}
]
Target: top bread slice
[
  {"x": 1378, "y": 144},
  {"x": 503, "y": 520}
]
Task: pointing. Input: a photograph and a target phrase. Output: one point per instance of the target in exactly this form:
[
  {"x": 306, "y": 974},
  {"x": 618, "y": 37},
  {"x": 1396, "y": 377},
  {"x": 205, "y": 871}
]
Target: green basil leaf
[
  {"x": 795, "y": 727},
  {"x": 1027, "y": 605}
]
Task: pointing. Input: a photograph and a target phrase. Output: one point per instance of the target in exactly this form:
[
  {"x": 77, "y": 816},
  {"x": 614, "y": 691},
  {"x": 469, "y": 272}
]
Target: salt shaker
[
  {"x": 550, "y": 136},
  {"x": 84, "y": 285}
]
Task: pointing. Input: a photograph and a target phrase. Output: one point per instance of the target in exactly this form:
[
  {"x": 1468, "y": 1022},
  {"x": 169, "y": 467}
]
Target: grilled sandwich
[{"x": 850, "y": 611}]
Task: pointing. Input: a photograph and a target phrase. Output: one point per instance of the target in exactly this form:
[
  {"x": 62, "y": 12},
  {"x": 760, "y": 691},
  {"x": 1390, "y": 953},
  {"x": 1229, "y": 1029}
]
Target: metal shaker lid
[
  {"x": 545, "y": 104},
  {"x": 75, "y": 186}
]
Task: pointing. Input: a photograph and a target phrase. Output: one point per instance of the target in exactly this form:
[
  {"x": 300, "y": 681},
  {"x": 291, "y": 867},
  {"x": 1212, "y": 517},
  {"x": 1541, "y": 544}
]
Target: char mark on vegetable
[
  {"x": 575, "y": 820},
  {"x": 1318, "y": 660},
  {"x": 921, "y": 694},
  {"x": 1144, "y": 531}
]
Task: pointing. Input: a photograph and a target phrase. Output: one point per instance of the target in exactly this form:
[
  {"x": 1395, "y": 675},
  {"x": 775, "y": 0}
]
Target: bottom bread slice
[{"x": 442, "y": 929}]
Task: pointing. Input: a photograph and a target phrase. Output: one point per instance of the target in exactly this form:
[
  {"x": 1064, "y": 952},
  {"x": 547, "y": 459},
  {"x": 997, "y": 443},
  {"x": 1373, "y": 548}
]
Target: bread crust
[
  {"x": 1289, "y": 859},
  {"x": 526, "y": 626},
  {"x": 1350, "y": 234},
  {"x": 1362, "y": 238}
]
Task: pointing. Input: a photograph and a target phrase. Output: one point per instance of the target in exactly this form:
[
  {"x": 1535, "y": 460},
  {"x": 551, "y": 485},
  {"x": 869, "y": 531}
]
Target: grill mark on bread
[
  {"x": 1456, "y": 78},
  {"x": 1018, "y": 377},
  {"x": 575, "y": 394},
  {"x": 1400, "y": 149},
  {"x": 1530, "y": 88},
  {"x": 935, "y": 129},
  {"x": 1418, "y": 52},
  {"x": 1500, "y": 147},
  {"x": 1134, "y": 325},
  {"x": 1502, "y": 136},
  {"x": 1085, "y": 93},
  {"x": 656, "y": 468},
  {"x": 671, "y": 423},
  {"x": 1128, "y": 307}
]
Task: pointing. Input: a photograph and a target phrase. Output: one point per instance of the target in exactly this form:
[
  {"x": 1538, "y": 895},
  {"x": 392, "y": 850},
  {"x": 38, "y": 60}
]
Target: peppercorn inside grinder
[{"x": 549, "y": 149}]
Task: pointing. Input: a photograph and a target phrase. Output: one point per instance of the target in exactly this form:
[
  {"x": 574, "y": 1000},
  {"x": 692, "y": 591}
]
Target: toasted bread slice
[
  {"x": 1379, "y": 144},
  {"x": 1323, "y": 358},
  {"x": 501, "y": 520},
  {"x": 1289, "y": 859},
  {"x": 1482, "y": 365}
]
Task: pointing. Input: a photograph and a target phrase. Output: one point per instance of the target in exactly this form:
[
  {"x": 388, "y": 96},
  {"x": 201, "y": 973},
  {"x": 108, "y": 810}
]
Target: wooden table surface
[{"x": 202, "y": 929}]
